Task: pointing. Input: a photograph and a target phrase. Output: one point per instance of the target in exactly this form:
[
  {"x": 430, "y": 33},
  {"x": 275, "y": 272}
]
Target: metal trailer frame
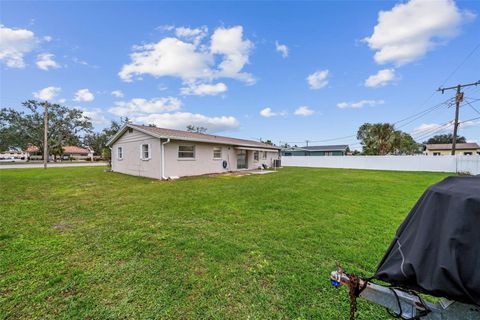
[{"x": 412, "y": 307}]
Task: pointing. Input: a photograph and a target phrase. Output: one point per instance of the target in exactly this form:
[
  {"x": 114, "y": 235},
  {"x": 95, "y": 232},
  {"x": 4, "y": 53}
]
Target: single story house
[
  {"x": 331, "y": 150},
  {"x": 443, "y": 149},
  {"x": 78, "y": 153},
  {"x": 165, "y": 153},
  {"x": 14, "y": 154},
  {"x": 69, "y": 152}
]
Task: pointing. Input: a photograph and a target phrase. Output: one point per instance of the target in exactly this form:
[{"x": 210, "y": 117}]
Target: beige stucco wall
[
  {"x": 449, "y": 152},
  {"x": 131, "y": 162},
  {"x": 204, "y": 163}
]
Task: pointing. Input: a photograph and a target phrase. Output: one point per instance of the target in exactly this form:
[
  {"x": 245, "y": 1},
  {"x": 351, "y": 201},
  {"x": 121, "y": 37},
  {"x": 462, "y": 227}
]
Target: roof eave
[
  {"x": 124, "y": 128},
  {"x": 127, "y": 125}
]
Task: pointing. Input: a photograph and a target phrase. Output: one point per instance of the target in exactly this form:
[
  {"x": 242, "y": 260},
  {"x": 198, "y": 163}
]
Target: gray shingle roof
[{"x": 200, "y": 137}]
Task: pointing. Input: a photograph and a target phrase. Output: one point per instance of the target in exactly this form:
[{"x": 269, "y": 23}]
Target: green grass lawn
[{"x": 80, "y": 243}]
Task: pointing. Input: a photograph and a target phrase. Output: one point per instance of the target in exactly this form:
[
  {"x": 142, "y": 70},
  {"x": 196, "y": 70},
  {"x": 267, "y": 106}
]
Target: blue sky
[{"x": 285, "y": 71}]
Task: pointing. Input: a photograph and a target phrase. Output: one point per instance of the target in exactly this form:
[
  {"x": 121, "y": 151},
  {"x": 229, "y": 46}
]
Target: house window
[
  {"x": 145, "y": 152},
  {"x": 255, "y": 155},
  {"x": 436, "y": 153},
  {"x": 217, "y": 152},
  {"x": 467, "y": 153},
  {"x": 186, "y": 152},
  {"x": 120, "y": 153},
  {"x": 264, "y": 155}
]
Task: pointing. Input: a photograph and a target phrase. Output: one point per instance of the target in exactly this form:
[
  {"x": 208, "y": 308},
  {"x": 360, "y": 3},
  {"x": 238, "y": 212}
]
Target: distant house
[
  {"x": 14, "y": 154},
  {"x": 466, "y": 149},
  {"x": 165, "y": 153},
  {"x": 69, "y": 152},
  {"x": 330, "y": 150},
  {"x": 74, "y": 152}
]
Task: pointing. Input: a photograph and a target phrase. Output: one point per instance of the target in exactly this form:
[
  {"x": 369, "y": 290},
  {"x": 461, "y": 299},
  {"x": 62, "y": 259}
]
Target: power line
[
  {"x": 425, "y": 112},
  {"x": 461, "y": 64},
  {"x": 421, "y": 113},
  {"x": 472, "y": 119},
  {"x": 427, "y": 133},
  {"x": 471, "y": 106},
  {"x": 458, "y": 98},
  {"x": 415, "y": 117}
]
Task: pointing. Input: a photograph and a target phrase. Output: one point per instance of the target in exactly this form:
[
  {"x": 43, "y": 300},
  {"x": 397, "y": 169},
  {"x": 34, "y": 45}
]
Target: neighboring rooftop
[
  {"x": 448, "y": 146},
  {"x": 75, "y": 150},
  {"x": 164, "y": 133},
  {"x": 66, "y": 149},
  {"x": 337, "y": 147}
]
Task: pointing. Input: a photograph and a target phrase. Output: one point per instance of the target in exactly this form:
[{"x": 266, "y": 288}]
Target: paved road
[{"x": 51, "y": 165}]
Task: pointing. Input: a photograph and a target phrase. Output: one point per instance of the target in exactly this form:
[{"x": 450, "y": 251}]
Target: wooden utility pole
[
  {"x": 458, "y": 100},
  {"x": 45, "y": 136}
]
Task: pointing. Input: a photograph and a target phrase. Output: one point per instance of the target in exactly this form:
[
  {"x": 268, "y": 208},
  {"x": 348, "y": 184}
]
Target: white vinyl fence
[{"x": 463, "y": 164}]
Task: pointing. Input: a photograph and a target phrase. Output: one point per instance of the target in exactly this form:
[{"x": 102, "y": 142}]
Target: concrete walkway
[{"x": 52, "y": 165}]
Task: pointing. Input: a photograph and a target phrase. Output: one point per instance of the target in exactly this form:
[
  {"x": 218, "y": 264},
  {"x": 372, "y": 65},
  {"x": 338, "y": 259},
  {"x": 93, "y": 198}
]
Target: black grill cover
[{"x": 436, "y": 250}]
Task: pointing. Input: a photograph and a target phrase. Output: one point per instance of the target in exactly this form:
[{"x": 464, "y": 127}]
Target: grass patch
[{"x": 83, "y": 243}]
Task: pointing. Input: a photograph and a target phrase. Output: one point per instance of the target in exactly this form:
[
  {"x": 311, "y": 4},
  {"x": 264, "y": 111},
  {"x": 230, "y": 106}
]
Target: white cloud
[
  {"x": 268, "y": 112},
  {"x": 360, "y": 104},
  {"x": 409, "y": 30},
  {"x": 193, "y": 60},
  {"x": 84, "y": 63},
  {"x": 381, "y": 78},
  {"x": 204, "y": 89},
  {"x": 95, "y": 115},
  {"x": 47, "y": 93},
  {"x": 45, "y": 61},
  {"x": 84, "y": 95},
  {"x": 282, "y": 49},
  {"x": 165, "y": 28},
  {"x": 162, "y": 87},
  {"x": 47, "y": 38},
  {"x": 304, "y": 111},
  {"x": 318, "y": 79},
  {"x": 117, "y": 94},
  {"x": 469, "y": 123},
  {"x": 139, "y": 105},
  {"x": 169, "y": 57},
  {"x": 229, "y": 43},
  {"x": 180, "y": 120},
  {"x": 192, "y": 35},
  {"x": 427, "y": 129},
  {"x": 14, "y": 44}
]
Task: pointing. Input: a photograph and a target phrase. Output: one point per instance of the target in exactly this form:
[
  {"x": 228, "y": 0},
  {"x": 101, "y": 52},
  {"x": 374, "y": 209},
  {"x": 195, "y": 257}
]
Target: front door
[{"x": 242, "y": 159}]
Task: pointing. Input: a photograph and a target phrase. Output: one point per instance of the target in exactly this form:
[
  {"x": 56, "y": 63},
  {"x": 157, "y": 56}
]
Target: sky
[{"x": 284, "y": 71}]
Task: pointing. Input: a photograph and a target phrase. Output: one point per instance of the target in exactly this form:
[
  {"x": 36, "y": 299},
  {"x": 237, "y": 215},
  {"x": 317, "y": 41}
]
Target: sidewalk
[{"x": 52, "y": 165}]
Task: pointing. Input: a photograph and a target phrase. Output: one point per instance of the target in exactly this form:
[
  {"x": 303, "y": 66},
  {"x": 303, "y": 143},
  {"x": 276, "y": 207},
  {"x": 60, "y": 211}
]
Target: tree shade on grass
[{"x": 83, "y": 243}]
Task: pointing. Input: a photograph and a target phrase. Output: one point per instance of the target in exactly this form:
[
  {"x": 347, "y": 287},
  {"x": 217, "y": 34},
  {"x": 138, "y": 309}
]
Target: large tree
[
  {"x": 65, "y": 125},
  {"x": 98, "y": 140},
  {"x": 444, "y": 138},
  {"x": 383, "y": 139},
  {"x": 196, "y": 129},
  {"x": 405, "y": 144}
]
